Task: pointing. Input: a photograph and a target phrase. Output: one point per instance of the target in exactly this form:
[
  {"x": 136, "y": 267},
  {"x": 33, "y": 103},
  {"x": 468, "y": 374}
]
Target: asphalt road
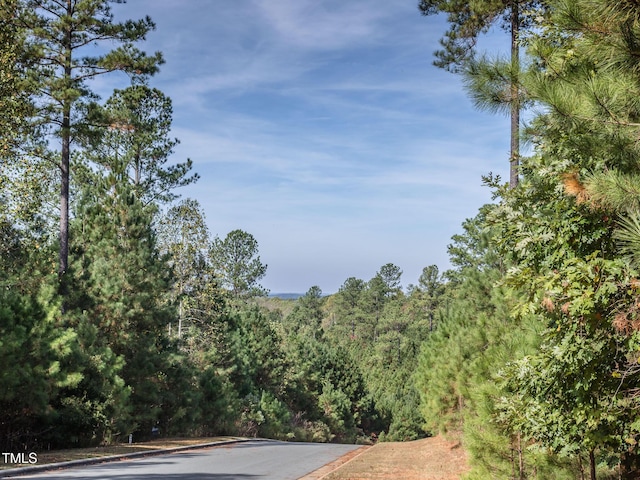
[{"x": 254, "y": 460}]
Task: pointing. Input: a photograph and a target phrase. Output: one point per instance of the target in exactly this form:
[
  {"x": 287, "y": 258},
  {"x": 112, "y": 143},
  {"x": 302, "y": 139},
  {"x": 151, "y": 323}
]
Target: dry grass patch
[{"x": 428, "y": 459}]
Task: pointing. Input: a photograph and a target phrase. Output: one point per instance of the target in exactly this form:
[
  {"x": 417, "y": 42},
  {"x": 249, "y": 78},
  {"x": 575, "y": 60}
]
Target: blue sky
[{"x": 323, "y": 129}]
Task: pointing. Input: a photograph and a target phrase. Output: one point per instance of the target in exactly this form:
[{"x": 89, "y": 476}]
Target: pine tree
[
  {"x": 477, "y": 335},
  {"x": 467, "y": 21},
  {"x": 348, "y": 314},
  {"x": 592, "y": 93},
  {"x": 60, "y": 387},
  {"x": 61, "y": 34},
  {"x": 237, "y": 263},
  {"x": 131, "y": 141},
  {"x": 204, "y": 326},
  {"x": 125, "y": 284},
  {"x": 305, "y": 320}
]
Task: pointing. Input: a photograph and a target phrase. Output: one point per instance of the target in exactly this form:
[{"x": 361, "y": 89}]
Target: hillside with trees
[{"x": 121, "y": 312}]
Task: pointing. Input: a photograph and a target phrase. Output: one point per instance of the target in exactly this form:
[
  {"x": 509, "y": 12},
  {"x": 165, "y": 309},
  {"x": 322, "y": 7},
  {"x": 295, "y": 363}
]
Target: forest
[{"x": 120, "y": 312}]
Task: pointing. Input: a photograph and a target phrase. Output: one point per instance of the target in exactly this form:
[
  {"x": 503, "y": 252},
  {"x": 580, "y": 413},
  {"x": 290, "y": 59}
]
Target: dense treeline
[
  {"x": 148, "y": 337},
  {"x": 119, "y": 312},
  {"x": 534, "y": 363}
]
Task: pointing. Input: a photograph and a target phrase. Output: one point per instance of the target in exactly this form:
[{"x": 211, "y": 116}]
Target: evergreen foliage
[
  {"x": 547, "y": 388},
  {"x": 131, "y": 143}
]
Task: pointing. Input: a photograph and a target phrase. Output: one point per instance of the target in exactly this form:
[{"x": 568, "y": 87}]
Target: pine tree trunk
[
  {"x": 65, "y": 168},
  {"x": 64, "y": 200},
  {"x": 515, "y": 98}
]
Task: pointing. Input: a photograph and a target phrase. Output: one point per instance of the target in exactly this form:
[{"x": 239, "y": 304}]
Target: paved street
[{"x": 255, "y": 460}]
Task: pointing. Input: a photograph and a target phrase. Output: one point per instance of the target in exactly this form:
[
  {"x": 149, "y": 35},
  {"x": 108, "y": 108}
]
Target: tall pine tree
[{"x": 63, "y": 36}]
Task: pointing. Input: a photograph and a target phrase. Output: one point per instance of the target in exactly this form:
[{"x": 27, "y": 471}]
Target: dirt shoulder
[{"x": 428, "y": 459}]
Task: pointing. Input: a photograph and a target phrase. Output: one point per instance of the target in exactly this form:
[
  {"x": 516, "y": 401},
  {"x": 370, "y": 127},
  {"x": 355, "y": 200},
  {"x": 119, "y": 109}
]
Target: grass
[{"x": 428, "y": 459}]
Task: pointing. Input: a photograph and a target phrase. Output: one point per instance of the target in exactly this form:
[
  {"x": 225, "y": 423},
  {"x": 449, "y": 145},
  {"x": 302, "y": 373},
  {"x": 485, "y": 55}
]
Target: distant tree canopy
[{"x": 236, "y": 261}]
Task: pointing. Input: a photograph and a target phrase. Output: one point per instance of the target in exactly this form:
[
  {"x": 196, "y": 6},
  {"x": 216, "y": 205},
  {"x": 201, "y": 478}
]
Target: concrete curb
[{"x": 12, "y": 472}]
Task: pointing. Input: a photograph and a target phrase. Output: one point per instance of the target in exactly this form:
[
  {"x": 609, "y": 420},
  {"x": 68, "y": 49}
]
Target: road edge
[{"x": 330, "y": 467}]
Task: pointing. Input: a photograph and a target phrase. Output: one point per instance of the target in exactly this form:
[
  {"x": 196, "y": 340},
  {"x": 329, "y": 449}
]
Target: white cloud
[{"x": 327, "y": 25}]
